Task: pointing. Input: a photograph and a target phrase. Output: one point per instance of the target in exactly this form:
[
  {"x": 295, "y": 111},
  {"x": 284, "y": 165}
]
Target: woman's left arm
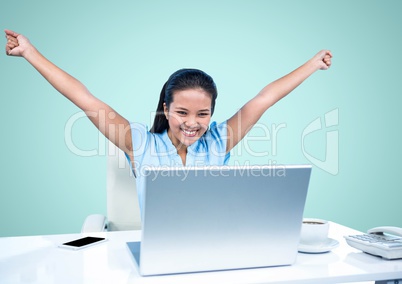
[{"x": 243, "y": 120}]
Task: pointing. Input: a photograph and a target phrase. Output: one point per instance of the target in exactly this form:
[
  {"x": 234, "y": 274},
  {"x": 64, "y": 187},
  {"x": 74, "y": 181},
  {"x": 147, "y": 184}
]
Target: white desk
[{"x": 36, "y": 259}]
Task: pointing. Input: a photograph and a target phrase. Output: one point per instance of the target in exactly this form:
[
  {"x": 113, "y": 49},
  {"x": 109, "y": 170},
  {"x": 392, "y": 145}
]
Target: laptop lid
[{"x": 218, "y": 218}]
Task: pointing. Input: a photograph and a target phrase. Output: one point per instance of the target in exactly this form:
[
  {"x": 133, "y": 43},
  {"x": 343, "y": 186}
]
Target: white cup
[{"x": 314, "y": 231}]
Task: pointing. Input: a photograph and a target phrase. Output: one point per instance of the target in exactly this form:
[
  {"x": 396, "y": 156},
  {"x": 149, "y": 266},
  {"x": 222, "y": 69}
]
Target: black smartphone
[{"x": 82, "y": 243}]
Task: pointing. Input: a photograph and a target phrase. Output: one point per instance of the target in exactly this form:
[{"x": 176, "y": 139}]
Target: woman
[{"x": 182, "y": 133}]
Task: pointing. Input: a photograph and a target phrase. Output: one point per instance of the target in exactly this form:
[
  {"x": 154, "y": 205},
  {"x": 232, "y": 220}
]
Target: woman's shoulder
[
  {"x": 138, "y": 125},
  {"x": 143, "y": 130},
  {"x": 216, "y": 129}
]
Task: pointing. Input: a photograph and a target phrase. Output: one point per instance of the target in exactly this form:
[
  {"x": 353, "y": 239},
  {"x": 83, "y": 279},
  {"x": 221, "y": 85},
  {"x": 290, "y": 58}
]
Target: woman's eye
[
  {"x": 181, "y": 112},
  {"x": 203, "y": 114}
]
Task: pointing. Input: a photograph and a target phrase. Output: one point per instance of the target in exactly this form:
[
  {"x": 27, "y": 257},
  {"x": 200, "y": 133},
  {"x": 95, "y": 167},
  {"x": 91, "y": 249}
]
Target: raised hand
[
  {"x": 17, "y": 44},
  {"x": 323, "y": 59}
]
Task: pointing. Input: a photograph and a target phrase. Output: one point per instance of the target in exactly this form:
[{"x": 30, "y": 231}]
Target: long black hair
[{"x": 180, "y": 80}]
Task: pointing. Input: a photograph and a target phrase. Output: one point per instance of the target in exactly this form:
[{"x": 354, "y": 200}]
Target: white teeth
[{"x": 189, "y": 132}]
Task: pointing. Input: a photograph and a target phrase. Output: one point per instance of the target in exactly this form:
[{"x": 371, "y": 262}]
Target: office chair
[{"x": 123, "y": 211}]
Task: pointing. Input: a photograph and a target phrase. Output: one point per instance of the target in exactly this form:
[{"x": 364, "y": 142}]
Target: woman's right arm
[{"x": 115, "y": 127}]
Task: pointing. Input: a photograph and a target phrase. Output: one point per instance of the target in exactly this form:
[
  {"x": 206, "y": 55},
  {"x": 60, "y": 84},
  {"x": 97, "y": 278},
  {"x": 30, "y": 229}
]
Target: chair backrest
[{"x": 122, "y": 201}]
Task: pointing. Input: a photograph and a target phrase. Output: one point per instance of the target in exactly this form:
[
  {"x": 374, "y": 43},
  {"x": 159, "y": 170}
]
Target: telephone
[
  {"x": 385, "y": 241},
  {"x": 386, "y": 230}
]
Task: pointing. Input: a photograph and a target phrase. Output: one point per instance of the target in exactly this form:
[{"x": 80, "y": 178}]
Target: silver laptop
[{"x": 219, "y": 218}]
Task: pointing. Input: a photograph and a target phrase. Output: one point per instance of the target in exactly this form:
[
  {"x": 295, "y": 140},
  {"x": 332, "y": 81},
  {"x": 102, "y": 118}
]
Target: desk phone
[{"x": 381, "y": 241}]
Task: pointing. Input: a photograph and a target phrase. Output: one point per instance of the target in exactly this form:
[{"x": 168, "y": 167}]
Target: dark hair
[{"x": 180, "y": 80}]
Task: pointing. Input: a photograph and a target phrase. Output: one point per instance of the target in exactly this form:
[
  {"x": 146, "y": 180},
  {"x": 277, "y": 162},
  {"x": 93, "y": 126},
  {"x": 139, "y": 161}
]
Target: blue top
[{"x": 156, "y": 149}]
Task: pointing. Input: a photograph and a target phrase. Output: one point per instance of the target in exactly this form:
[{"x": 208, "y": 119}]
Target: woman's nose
[{"x": 191, "y": 122}]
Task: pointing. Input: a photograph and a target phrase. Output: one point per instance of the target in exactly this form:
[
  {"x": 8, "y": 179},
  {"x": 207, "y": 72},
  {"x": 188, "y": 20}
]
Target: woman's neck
[{"x": 180, "y": 148}]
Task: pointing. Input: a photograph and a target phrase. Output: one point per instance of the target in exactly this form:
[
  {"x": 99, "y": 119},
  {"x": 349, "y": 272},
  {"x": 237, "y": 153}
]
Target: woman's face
[{"x": 189, "y": 115}]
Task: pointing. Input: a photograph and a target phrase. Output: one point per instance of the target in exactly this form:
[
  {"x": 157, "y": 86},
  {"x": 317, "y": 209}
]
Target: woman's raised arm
[
  {"x": 115, "y": 127},
  {"x": 243, "y": 120}
]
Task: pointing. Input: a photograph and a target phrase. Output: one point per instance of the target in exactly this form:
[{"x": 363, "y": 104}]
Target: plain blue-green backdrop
[{"x": 345, "y": 121}]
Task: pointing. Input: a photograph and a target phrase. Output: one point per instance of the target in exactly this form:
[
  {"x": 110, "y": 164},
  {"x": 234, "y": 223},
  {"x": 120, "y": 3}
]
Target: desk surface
[{"x": 37, "y": 259}]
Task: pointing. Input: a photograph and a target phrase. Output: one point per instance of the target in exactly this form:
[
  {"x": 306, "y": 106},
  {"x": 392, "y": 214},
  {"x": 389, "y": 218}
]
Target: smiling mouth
[{"x": 189, "y": 133}]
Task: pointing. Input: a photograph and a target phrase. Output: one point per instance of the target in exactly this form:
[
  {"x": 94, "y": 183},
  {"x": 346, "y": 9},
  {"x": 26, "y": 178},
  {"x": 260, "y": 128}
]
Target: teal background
[{"x": 124, "y": 51}]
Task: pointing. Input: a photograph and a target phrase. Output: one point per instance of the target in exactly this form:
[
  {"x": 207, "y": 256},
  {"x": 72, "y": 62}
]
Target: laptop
[{"x": 220, "y": 218}]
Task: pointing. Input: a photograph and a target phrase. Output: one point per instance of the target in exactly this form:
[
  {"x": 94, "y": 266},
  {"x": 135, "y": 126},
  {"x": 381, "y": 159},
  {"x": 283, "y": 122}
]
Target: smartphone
[{"x": 82, "y": 243}]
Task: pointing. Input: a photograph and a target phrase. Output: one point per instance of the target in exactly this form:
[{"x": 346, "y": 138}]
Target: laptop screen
[{"x": 213, "y": 218}]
